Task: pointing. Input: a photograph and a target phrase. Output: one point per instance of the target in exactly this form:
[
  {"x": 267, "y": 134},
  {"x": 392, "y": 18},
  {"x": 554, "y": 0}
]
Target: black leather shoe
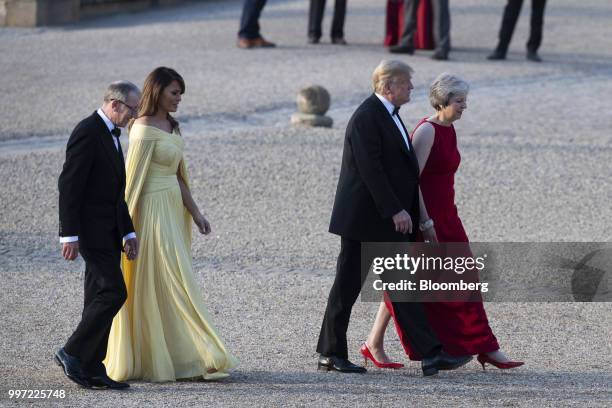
[
  {"x": 442, "y": 361},
  {"x": 496, "y": 56},
  {"x": 342, "y": 365},
  {"x": 338, "y": 41},
  {"x": 440, "y": 56},
  {"x": 533, "y": 56},
  {"x": 313, "y": 39},
  {"x": 401, "y": 49},
  {"x": 104, "y": 381},
  {"x": 99, "y": 379},
  {"x": 72, "y": 368}
]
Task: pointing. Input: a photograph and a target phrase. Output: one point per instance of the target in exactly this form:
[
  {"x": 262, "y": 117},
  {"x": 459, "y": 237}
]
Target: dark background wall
[{"x": 32, "y": 13}]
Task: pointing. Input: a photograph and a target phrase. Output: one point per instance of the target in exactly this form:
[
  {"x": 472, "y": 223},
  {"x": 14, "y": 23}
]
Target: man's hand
[
  {"x": 403, "y": 222},
  {"x": 429, "y": 235},
  {"x": 70, "y": 250},
  {"x": 131, "y": 248}
]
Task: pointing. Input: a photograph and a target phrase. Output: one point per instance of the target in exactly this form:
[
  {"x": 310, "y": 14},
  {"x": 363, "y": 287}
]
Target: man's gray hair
[
  {"x": 444, "y": 87},
  {"x": 388, "y": 71},
  {"x": 119, "y": 90}
]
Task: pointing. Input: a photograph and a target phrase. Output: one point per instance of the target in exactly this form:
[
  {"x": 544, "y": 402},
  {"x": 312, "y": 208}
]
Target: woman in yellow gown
[{"x": 163, "y": 332}]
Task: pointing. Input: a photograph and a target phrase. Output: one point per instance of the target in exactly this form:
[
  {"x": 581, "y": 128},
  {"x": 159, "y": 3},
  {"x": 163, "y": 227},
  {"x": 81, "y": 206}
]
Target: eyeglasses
[{"x": 133, "y": 110}]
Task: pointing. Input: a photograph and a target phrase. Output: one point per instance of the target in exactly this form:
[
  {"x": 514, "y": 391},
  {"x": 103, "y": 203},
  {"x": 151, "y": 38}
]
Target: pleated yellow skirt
[{"x": 164, "y": 331}]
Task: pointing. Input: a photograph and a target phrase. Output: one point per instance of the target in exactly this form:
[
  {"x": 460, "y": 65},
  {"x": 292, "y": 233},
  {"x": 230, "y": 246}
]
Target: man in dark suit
[
  {"x": 511, "y": 15},
  {"x": 249, "y": 35},
  {"x": 315, "y": 18},
  {"x": 94, "y": 220},
  {"x": 377, "y": 200}
]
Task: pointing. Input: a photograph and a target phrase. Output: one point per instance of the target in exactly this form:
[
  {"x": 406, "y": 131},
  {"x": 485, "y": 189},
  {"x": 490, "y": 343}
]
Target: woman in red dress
[{"x": 462, "y": 327}]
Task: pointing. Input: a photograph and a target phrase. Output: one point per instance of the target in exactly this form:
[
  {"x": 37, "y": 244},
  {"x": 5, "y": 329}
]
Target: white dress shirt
[
  {"x": 390, "y": 108},
  {"x": 110, "y": 125}
]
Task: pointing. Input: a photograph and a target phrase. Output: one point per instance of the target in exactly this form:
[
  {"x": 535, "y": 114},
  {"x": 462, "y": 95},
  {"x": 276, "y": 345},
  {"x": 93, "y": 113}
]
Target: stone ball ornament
[{"x": 312, "y": 103}]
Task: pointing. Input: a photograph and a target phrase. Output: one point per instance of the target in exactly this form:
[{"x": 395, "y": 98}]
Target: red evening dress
[{"x": 462, "y": 327}]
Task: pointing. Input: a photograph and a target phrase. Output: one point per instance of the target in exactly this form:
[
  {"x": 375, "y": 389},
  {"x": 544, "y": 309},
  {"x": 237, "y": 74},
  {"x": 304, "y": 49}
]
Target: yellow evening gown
[{"x": 163, "y": 332}]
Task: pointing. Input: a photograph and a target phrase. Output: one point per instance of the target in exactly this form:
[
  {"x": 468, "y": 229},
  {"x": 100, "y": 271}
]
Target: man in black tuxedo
[
  {"x": 94, "y": 220},
  {"x": 377, "y": 200}
]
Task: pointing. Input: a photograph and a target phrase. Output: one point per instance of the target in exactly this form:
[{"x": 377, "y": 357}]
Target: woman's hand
[
  {"x": 429, "y": 235},
  {"x": 203, "y": 224}
]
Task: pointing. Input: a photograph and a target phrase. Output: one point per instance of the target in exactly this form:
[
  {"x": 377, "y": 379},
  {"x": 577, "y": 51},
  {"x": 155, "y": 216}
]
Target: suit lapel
[
  {"x": 411, "y": 150},
  {"x": 392, "y": 129},
  {"x": 109, "y": 147},
  {"x": 398, "y": 135},
  {"x": 412, "y": 153}
]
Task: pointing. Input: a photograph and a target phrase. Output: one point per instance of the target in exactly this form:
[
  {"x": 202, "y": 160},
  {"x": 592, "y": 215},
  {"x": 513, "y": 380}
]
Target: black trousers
[
  {"x": 342, "y": 296},
  {"x": 511, "y": 15},
  {"x": 105, "y": 293},
  {"x": 249, "y": 23},
  {"x": 315, "y": 18},
  {"x": 441, "y": 24}
]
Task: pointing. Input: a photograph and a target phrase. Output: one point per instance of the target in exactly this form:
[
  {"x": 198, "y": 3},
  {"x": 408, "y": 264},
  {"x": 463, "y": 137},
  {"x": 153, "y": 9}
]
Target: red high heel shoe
[
  {"x": 483, "y": 358},
  {"x": 367, "y": 355}
]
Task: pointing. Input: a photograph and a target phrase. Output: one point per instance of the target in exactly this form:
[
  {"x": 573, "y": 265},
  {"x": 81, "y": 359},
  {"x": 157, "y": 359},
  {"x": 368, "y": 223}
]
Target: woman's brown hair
[{"x": 154, "y": 85}]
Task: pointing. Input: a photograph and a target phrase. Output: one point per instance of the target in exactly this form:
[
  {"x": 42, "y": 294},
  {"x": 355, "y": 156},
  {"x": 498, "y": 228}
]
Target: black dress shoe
[
  {"x": 401, "y": 49},
  {"x": 313, "y": 39},
  {"x": 72, "y": 368},
  {"x": 440, "y": 56},
  {"x": 442, "y": 361},
  {"x": 496, "y": 56},
  {"x": 99, "y": 379},
  {"x": 104, "y": 381},
  {"x": 340, "y": 364},
  {"x": 338, "y": 41},
  {"x": 533, "y": 56}
]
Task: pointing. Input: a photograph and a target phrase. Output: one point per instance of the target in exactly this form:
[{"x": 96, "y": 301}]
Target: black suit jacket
[
  {"x": 379, "y": 177},
  {"x": 92, "y": 188}
]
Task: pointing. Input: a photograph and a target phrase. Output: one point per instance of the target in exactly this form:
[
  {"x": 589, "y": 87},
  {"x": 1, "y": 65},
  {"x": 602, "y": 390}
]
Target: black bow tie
[
  {"x": 116, "y": 132},
  {"x": 395, "y": 110}
]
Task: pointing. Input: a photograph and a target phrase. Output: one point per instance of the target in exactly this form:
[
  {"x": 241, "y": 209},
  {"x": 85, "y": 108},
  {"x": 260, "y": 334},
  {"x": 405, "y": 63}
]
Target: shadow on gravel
[
  {"x": 558, "y": 386},
  {"x": 550, "y": 380},
  {"x": 188, "y": 12}
]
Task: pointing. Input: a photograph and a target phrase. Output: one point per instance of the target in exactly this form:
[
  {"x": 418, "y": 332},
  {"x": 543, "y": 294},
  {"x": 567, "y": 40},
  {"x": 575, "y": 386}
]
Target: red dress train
[{"x": 461, "y": 327}]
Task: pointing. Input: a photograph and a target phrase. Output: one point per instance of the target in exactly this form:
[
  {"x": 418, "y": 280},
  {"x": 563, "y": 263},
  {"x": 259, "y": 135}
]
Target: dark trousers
[
  {"x": 511, "y": 15},
  {"x": 105, "y": 293},
  {"x": 342, "y": 296},
  {"x": 315, "y": 18},
  {"x": 249, "y": 23},
  {"x": 441, "y": 24}
]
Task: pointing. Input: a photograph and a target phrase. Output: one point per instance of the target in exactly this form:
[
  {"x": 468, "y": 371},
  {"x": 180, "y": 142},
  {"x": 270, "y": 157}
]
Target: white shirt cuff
[
  {"x": 129, "y": 236},
  {"x": 76, "y": 238}
]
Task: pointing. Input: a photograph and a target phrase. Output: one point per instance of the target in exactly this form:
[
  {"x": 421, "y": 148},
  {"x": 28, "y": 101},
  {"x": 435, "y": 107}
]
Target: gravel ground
[{"x": 535, "y": 150}]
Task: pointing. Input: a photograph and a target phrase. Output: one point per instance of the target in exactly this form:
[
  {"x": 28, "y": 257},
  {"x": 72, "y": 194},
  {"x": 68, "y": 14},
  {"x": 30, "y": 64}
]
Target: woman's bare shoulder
[{"x": 425, "y": 131}]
